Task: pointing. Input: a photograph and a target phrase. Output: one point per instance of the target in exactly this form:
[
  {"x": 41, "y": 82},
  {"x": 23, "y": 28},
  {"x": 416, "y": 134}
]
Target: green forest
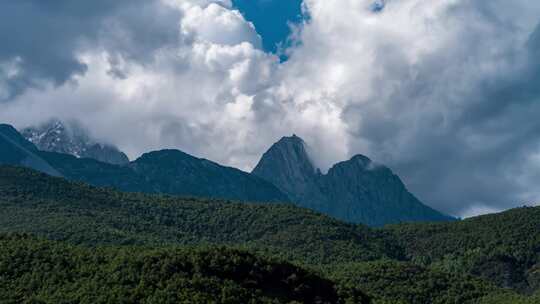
[
  {"x": 67, "y": 242},
  {"x": 37, "y": 271}
]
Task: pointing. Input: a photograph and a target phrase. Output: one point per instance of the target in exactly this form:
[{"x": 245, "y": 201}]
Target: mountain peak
[
  {"x": 71, "y": 138},
  {"x": 165, "y": 154},
  {"x": 288, "y": 166},
  {"x": 291, "y": 154},
  {"x": 357, "y": 190},
  {"x": 291, "y": 140},
  {"x": 359, "y": 162}
]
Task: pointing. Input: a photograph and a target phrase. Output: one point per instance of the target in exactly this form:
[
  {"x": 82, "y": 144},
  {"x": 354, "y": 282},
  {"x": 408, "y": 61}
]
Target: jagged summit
[
  {"x": 358, "y": 162},
  {"x": 294, "y": 150},
  {"x": 291, "y": 154},
  {"x": 288, "y": 166},
  {"x": 362, "y": 159},
  {"x": 357, "y": 190},
  {"x": 73, "y": 139}
]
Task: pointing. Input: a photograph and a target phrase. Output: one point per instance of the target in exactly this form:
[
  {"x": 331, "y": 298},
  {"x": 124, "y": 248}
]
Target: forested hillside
[
  {"x": 36, "y": 271},
  {"x": 503, "y": 248},
  {"x": 489, "y": 259},
  {"x": 62, "y": 210}
]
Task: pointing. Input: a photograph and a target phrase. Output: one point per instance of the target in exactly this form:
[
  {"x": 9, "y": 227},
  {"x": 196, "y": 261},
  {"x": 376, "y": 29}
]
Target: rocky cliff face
[
  {"x": 288, "y": 166},
  {"x": 56, "y": 136},
  {"x": 356, "y": 190}
]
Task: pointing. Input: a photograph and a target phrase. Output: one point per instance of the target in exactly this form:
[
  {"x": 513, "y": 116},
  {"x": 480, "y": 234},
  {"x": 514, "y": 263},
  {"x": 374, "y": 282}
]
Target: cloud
[
  {"x": 219, "y": 25},
  {"x": 444, "y": 92},
  {"x": 193, "y": 92},
  {"x": 43, "y": 38}
]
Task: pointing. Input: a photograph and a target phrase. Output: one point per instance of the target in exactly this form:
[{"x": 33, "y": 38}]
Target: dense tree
[
  {"x": 61, "y": 210},
  {"x": 503, "y": 248},
  {"x": 36, "y": 271},
  {"x": 114, "y": 247}
]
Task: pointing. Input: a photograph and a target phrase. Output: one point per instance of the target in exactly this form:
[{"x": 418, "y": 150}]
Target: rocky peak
[
  {"x": 73, "y": 139},
  {"x": 287, "y": 165},
  {"x": 54, "y": 136},
  {"x": 291, "y": 154},
  {"x": 357, "y": 190},
  {"x": 360, "y": 162}
]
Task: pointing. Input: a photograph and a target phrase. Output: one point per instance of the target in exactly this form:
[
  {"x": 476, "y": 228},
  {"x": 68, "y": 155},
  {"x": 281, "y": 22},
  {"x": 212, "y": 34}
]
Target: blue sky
[
  {"x": 446, "y": 93},
  {"x": 271, "y": 18}
]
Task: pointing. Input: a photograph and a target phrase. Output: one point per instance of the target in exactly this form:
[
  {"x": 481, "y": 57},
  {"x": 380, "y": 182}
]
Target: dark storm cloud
[
  {"x": 42, "y": 37},
  {"x": 459, "y": 146}
]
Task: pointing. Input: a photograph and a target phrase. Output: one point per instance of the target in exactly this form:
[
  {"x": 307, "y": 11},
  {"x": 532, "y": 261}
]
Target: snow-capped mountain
[{"x": 57, "y": 136}]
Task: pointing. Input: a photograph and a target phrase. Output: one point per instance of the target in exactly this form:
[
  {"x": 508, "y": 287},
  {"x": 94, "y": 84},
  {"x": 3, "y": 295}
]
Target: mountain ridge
[
  {"x": 14, "y": 149},
  {"x": 356, "y": 190},
  {"x": 202, "y": 177},
  {"x": 189, "y": 176},
  {"x": 73, "y": 139}
]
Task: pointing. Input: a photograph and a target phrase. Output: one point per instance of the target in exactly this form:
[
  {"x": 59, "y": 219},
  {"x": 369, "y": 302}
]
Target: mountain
[
  {"x": 168, "y": 172},
  {"x": 109, "y": 243},
  {"x": 357, "y": 190},
  {"x": 390, "y": 282},
  {"x": 40, "y": 271},
  {"x": 58, "y": 209},
  {"x": 503, "y": 248},
  {"x": 56, "y": 136},
  {"x": 15, "y": 150},
  {"x": 175, "y": 172}
]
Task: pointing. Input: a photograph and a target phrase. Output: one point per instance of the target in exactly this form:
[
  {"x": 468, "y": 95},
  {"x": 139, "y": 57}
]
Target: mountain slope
[
  {"x": 15, "y": 150},
  {"x": 167, "y": 171},
  {"x": 96, "y": 173},
  {"x": 287, "y": 165},
  {"x": 36, "y": 271},
  {"x": 35, "y": 203},
  {"x": 405, "y": 282},
  {"x": 356, "y": 190},
  {"x": 56, "y": 136},
  {"x": 503, "y": 248},
  {"x": 178, "y": 173},
  {"x": 435, "y": 269}
]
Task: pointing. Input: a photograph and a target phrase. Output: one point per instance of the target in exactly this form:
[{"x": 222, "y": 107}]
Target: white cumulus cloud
[{"x": 444, "y": 92}]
